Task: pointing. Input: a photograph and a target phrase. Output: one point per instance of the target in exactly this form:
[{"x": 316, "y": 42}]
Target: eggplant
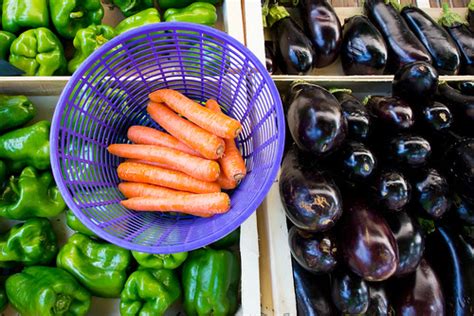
[
  {"x": 462, "y": 36},
  {"x": 410, "y": 241},
  {"x": 379, "y": 304},
  {"x": 311, "y": 199},
  {"x": 459, "y": 162},
  {"x": 390, "y": 112},
  {"x": 416, "y": 83},
  {"x": 270, "y": 58},
  {"x": 409, "y": 150},
  {"x": 349, "y": 292},
  {"x": 431, "y": 193},
  {"x": 464, "y": 210},
  {"x": 403, "y": 46},
  {"x": 439, "y": 44},
  {"x": 391, "y": 190},
  {"x": 363, "y": 50},
  {"x": 315, "y": 119},
  {"x": 316, "y": 253},
  {"x": 324, "y": 29},
  {"x": 452, "y": 258},
  {"x": 437, "y": 116},
  {"x": 357, "y": 117},
  {"x": 462, "y": 106},
  {"x": 312, "y": 293},
  {"x": 419, "y": 294},
  {"x": 368, "y": 246},
  {"x": 293, "y": 49},
  {"x": 357, "y": 161},
  {"x": 465, "y": 87}
]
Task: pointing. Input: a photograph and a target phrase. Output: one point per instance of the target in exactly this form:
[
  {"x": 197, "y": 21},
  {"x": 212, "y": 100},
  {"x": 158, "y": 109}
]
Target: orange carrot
[
  {"x": 204, "y": 205},
  {"x": 149, "y": 136},
  {"x": 226, "y": 183},
  {"x": 152, "y": 163},
  {"x": 215, "y": 122},
  {"x": 135, "y": 189},
  {"x": 137, "y": 172},
  {"x": 207, "y": 144},
  {"x": 232, "y": 163},
  {"x": 199, "y": 168}
]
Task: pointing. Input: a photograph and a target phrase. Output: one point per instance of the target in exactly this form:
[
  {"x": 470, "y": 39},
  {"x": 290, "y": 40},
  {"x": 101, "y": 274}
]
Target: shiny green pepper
[
  {"x": 30, "y": 243},
  {"x": 28, "y": 145},
  {"x": 19, "y": 15},
  {"x": 144, "y": 17},
  {"x": 46, "y": 291},
  {"x": 159, "y": 261},
  {"x": 197, "y": 12},
  {"x": 131, "y": 7},
  {"x": 6, "y": 40},
  {"x": 149, "y": 292},
  {"x": 100, "y": 267},
  {"x": 167, "y": 4},
  {"x": 31, "y": 195},
  {"x": 15, "y": 111},
  {"x": 75, "y": 224},
  {"x": 87, "y": 41}
]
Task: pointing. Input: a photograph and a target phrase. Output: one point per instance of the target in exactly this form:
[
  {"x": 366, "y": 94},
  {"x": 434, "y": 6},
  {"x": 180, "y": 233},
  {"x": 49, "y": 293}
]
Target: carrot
[
  {"x": 232, "y": 163},
  {"x": 207, "y": 144},
  {"x": 226, "y": 183},
  {"x": 152, "y": 163},
  {"x": 137, "y": 172},
  {"x": 204, "y": 205},
  {"x": 135, "y": 189},
  {"x": 199, "y": 168},
  {"x": 215, "y": 122},
  {"x": 149, "y": 136}
]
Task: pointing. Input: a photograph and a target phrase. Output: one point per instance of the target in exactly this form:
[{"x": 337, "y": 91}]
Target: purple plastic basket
[{"x": 109, "y": 93}]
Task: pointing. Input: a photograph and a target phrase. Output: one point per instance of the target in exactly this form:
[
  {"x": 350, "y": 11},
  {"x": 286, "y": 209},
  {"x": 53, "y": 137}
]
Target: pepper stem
[
  {"x": 62, "y": 304},
  {"x": 449, "y": 18},
  {"x": 76, "y": 15},
  {"x": 275, "y": 14},
  {"x": 101, "y": 39}
]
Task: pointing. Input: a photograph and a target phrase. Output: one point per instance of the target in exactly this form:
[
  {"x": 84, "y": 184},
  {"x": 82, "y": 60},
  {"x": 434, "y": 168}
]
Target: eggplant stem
[
  {"x": 450, "y": 18},
  {"x": 366, "y": 100},
  {"x": 394, "y": 4},
  {"x": 335, "y": 90}
]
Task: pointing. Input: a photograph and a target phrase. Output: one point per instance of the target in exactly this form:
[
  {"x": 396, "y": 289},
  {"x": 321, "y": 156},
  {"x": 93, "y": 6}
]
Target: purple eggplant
[
  {"x": 349, "y": 292},
  {"x": 409, "y": 150},
  {"x": 324, "y": 29},
  {"x": 464, "y": 210},
  {"x": 368, "y": 246},
  {"x": 437, "y": 116},
  {"x": 357, "y": 161},
  {"x": 315, "y": 119},
  {"x": 270, "y": 58},
  {"x": 311, "y": 199},
  {"x": 363, "y": 50},
  {"x": 462, "y": 106},
  {"x": 419, "y": 294},
  {"x": 391, "y": 190},
  {"x": 459, "y": 164},
  {"x": 410, "y": 241},
  {"x": 465, "y": 87},
  {"x": 390, "y": 112},
  {"x": 316, "y": 253},
  {"x": 293, "y": 49},
  {"x": 357, "y": 117},
  {"x": 439, "y": 44},
  {"x": 416, "y": 83},
  {"x": 431, "y": 193},
  {"x": 379, "y": 304},
  {"x": 403, "y": 46}
]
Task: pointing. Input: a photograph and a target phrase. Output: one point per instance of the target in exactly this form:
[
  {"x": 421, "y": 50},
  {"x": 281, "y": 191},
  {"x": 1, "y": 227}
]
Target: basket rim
[{"x": 86, "y": 65}]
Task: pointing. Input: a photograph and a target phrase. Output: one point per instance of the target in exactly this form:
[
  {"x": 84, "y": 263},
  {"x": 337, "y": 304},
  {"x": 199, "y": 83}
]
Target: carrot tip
[{"x": 239, "y": 177}]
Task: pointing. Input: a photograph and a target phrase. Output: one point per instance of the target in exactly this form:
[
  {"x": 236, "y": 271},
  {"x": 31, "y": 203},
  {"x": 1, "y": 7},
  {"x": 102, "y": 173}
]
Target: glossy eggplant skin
[
  {"x": 316, "y": 253},
  {"x": 462, "y": 106},
  {"x": 419, "y": 293},
  {"x": 270, "y": 63},
  {"x": 431, "y": 193},
  {"x": 452, "y": 258},
  {"x": 409, "y": 150},
  {"x": 462, "y": 36},
  {"x": 391, "y": 190},
  {"x": 466, "y": 87},
  {"x": 324, "y": 29},
  {"x": 312, "y": 293},
  {"x": 311, "y": 199},
  {"x": 437, "y": 116},
  {"x": 356, "y": 114},
  {"x": 403, "y": 46},
  {"x": 416, "y": 83},
  {"x": 464, "y": 210},
  {"x": 349, "y": 292},
  {"x": 363, "y": 50},
  {"x": 410, "y": 241},
  {"x": 379, "y": 304},
  {"x": 315, "y": 119},
  {"x": 460, "y": 168},
  {"x": 293, "y": 49},
  {"x": 357, "y": 161},
  {"x": 368, "y": 246},
  {"x": 439, "y": 44},
  {"x": 390, "y": 112}
]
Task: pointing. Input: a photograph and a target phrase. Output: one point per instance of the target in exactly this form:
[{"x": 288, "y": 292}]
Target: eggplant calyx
[
  {"x": 450, "y": 18},
  {"x": 300, "y": 82},
  {"x": 394, "y": 4},
  {"x": 470, "y": 6},
  {"x": 265, "y": 5},
  {"x": 275, "y": 14},
  {"x": 366, "y": 100},
  {"x": 336, "y": 90}
]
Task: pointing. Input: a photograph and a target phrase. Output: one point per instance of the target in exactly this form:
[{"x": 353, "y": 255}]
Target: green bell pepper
[
  {"x": 177, "y": 4},
  {"x": 75, "y": 224},
  {"x": 131, "y": 7},
  {"x": 197, "y": 12},
  {"x": 31, "y": 195},
  {"x": 100, "y": 267},
  {"x": 6, "y": 40},
  {"x": 15, "y": 111},
  {"x": 88, "y": 40},
  {"x": 210, "y": 282},
  {"x": 228, "y": 241},
  {"x": 149, "y": 292},
  {"x": 18, "y": 15},
  {"x": 3, "y": 173},
  {"x": 159, "y": 261},
  {"x": 144, "y": 17},
  {"x": 28, "y": 145},
  {"x": 30, "y": 243},
  {"x": 46, "y": 291},
  {"x": 69, "y": 16},
  {"x": 38, "y": 52},
  {"x": 3, "y": 298}
]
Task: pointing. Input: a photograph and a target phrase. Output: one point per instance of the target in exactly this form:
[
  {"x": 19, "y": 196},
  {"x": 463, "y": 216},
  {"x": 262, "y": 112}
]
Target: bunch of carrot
[{"x": 185, "y": 170}]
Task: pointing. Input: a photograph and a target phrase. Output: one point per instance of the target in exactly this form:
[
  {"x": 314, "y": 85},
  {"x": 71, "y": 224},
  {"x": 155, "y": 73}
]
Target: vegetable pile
[{"x": 379, "y": 197}]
